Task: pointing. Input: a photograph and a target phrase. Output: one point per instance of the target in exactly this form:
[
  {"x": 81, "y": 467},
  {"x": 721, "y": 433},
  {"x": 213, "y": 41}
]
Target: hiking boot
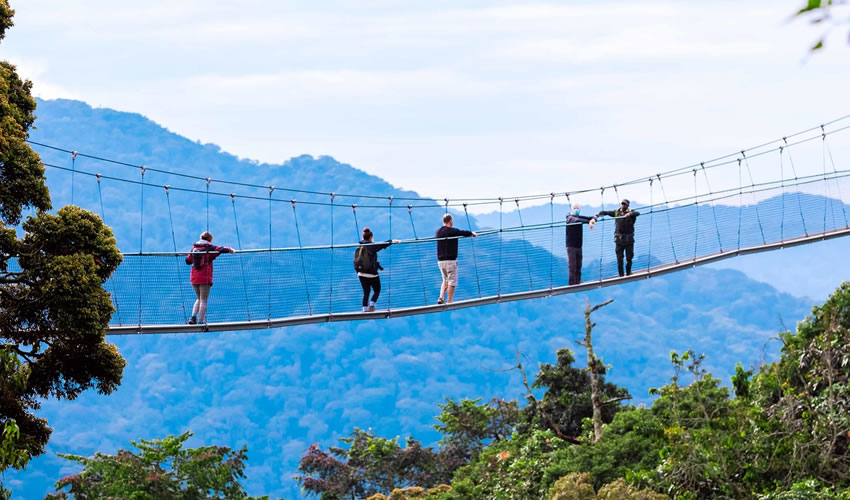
[
  {"x": 371, "y": 308},
  {"x": 193, "y": 320},
  {"x": 440, "y": 301}
]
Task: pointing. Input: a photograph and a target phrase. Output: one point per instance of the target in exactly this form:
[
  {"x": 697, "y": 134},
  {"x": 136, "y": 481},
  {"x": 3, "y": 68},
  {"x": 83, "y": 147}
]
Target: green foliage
[
  {"x": 567, "y": 399},
  {"x": 6, "y": 14},
  {"x": 161, "y": 468},
  {"x": 53, "y": 308},
  {"x": 810, "y": 489},
  {"x": 631, "y": 442},
  {"x": 573, "y": 486},
  {"x": 620, "y": 490},
  {"x": 471, "y": 425},
  {"x": 374, "y": 465},
  {"x": 818, "y": 12},
  {"x": 509, "y": 469}
]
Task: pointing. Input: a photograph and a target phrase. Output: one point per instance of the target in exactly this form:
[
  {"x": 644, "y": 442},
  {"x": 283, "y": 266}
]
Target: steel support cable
[
  {"x": 696, "y": 223},
  {"x": 474, "y": 258},
  {"x": 331, "y": 291},
  {"x": 208, "y": 202},
  {"x": 837, "y": 184},
  {"x": 390, "y": 256},
  {"x": 740, "y": 201},
  {"x": 676, "y": 171},
  {"x": 713, "y": 211},
  {"x": 141, "y": 237},
  {"x": 241, "y": 263},
  {"x": 794, "y": 171},
  {"x": 177, "y": 259},
  {"x": 669, "y": 227},
  {"x": 269, "y": 268},
  {"x": 525, "y": 246},
  {"x": 73, "y": 171},
  {"x": 551, "y": 240},
  {"x": 602, "y": 232},
  {"x": 536, "y": 197},
  {"x": 651, "y": 218},
  {"x": 301, "y": 254},
  {"x": 418, "y": 255},
  {"x": 114, "y": 282},
  {"x": 499, "y": 289},
  {"x": 356, "y": 225},
  {"x": 782, "y": 187},
  {"x": 755, "y": 200},
  {"x": 826, "y": 193}
]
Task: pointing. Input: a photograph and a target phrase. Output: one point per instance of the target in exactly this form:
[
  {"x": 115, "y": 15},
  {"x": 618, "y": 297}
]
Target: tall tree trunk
[{"x": 595, "y": 396}]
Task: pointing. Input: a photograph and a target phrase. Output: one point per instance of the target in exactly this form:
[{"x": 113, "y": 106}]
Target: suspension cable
[
  {"x": 696, "y": 225},
  {"x": 390, "y": 256},
  {"x": 500, "y": 248},
  {"x": 837, "y": 184},
  {"x": 551, "y": 240},
  {"x": 525, "y": 245},
  {"x": 301, "y": 254},
  {"x": 651, "y": 218},
  {"x": 241, "y": 263},
  {"x": 713, "y": 211},
  {"x": 114, "y": 282},
  {"x": 331, "y": 291},
  {"x": 755, "y": 201},
  {"x": 269, "y": 285},
  {"x": 794, "y": 171},
  {"x": 141, "y": 237},
  {"x": 73, "y": 171},
  {"x": 602, "y": 238},
  {"x": 667, "y": 212},
  {"x": 418, "y": 255},
  {"x": 740, "y": 201},
  {"x": 174, "y": 243},
  {"x": 208, "y": 202},
  {"x": 356, "y": 225},
  {"x": 474, "y": 258}
]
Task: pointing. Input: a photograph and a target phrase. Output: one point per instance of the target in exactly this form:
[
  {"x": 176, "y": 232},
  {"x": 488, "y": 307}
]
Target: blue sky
[{"x": 448, "y": 98}]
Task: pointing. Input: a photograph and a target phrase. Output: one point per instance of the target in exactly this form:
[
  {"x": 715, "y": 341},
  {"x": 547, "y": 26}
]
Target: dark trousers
[
  {"x": 370, "y": 284},
  {"x": 627, "y": 247},
  {"x": 574, "y": 260}
]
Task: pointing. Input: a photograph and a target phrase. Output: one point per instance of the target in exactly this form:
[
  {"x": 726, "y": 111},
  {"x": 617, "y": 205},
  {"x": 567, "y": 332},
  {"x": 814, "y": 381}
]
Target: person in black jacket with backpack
[
  {"x": 624, "y": 234},
  {"x": 575, "y": 235},
  {"x": 366, "y": 264}
]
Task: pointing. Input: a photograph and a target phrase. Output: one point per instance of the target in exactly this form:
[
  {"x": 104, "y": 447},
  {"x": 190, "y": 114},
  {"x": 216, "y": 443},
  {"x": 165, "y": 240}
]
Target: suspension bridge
[{"x": 778, "y": 194}]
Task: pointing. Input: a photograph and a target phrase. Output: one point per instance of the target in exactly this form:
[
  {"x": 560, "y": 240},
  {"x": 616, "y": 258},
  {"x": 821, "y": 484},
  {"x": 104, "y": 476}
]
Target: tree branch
[{"x": 614, "y": 400}]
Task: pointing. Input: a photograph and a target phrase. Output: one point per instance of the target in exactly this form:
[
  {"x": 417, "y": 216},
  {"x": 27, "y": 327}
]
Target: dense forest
[{"x": 782, "y": 431}]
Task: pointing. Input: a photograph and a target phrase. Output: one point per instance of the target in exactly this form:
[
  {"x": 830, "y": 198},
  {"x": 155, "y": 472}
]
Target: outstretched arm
[{"x": 609, "y": 213}]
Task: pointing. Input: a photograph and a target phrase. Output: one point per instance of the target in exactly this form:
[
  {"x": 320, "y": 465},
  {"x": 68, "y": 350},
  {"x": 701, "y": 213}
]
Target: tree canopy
[{"x": 53, "y": 309}]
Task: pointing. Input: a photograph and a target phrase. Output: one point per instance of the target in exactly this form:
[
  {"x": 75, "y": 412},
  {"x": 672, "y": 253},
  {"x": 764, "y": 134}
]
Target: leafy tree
[
  {"x": 470, "y": 425},
  {"x": 53, "y": 308},
  {"x": 509, "y": 469},
  {"x": 820, "y": 12},
  {"x": 373, "y": 465},
  {"x": 161, "y": 468},
  {"x": 631, "y": 443},
  {"x": 568, "y": 396}
]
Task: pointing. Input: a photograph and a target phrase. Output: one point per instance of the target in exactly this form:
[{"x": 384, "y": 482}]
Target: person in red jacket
[{"x": 201, "y": 259}]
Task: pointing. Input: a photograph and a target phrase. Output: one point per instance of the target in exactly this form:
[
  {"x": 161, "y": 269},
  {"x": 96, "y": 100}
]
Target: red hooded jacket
[{"x": 201, "y": 259}]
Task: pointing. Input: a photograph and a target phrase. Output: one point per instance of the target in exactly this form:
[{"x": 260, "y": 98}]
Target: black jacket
[
  {"x": 574, "y": 230},
  {"x": 447, "y": 249},
  {"x": 624, "y": 224},
  {"x": 374, "y": 248}
]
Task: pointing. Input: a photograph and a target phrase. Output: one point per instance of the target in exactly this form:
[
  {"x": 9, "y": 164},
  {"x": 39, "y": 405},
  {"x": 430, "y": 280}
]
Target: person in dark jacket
[
  {"x": 201, "y": 277},
  {"x": 447, "y": 256},
  {"x": 575, "y": 234},
  {"x": 368, "y": 270},
  {"x": 624, "y": 234}
]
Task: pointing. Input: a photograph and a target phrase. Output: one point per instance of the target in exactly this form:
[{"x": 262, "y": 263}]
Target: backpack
[
  {"x": 364, "y": 260},
  {"x": 198, "y": 260}
]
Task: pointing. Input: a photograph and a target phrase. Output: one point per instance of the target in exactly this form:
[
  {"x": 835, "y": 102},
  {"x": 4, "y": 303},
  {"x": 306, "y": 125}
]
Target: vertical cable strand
[{"x": 241, "y": 263}]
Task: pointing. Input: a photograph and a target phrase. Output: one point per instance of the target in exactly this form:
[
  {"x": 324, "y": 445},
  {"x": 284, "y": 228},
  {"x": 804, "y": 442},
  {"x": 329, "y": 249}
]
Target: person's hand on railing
[
  {"x": 474, "y": 234},
  {"x": 396, "y": 242}
]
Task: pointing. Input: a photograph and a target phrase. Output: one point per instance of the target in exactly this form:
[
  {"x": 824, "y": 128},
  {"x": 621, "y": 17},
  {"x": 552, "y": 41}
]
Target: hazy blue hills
[{"x": 277, "y": 391}]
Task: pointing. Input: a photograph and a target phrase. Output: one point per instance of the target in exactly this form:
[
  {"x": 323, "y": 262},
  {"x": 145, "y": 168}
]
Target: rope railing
[{"x": 752, "y": 152}]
